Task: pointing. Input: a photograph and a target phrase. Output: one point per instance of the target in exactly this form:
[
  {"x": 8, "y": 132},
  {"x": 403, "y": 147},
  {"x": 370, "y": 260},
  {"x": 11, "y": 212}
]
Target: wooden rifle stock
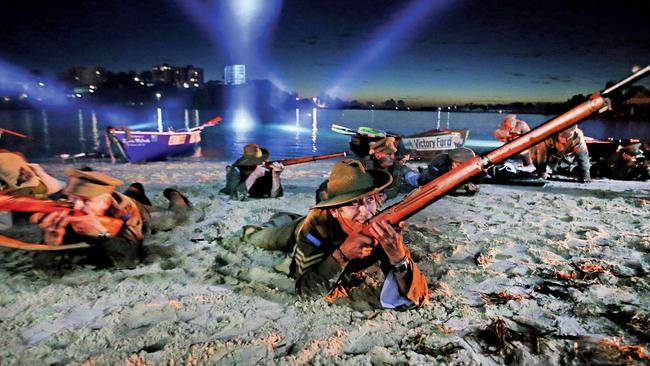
[
  {"x": 439, "y": 187},
  {"x": 29, "y": 204},
  {"x": 306, "y": 159}
]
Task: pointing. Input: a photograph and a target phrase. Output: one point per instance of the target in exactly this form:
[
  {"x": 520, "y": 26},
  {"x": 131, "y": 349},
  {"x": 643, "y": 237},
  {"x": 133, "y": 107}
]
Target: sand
[{"x": 518, "y": 275}]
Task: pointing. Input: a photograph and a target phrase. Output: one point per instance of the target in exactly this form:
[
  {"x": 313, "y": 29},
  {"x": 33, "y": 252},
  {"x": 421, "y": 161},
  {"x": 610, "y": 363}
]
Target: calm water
[{"x": 287, "y": 134}]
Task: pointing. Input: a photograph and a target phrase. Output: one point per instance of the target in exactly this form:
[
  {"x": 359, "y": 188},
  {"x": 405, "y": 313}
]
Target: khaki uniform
[
  {"x": 236, "y": 187},
  {"x": 397, "y": 171},
  {"x": 122, "y": 250},
  {"x": 551, "y": 152},
  {"x": 628, "y": 163},
  {"x": 441, "y": 164},
  {"x": 18, "y": 178},
  {"x": 312, "y": 241}
]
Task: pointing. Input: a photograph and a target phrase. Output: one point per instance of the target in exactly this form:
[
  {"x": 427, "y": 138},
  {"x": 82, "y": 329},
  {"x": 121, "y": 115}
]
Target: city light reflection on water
[
  {"x": 82, "y": 135},
  {"x": 285, "y": 133},
  {"x": 46, "y": 132},
  {"x": 93, "y": 117}
]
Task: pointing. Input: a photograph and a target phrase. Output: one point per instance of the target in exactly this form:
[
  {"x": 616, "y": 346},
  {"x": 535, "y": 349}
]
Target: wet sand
[{"x": 518, "y": 275}]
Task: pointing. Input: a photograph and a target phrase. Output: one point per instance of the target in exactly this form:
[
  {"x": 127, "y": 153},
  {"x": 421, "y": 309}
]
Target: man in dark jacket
[{"x": 249, "y": 177}]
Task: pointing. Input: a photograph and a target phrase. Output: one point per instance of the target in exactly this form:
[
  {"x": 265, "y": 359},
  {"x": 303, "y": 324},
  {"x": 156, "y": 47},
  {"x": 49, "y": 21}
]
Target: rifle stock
[
  {"x": 34, "y": 205},
  {"x": 29, "y": 204},
  {"x": 429, "y": 193},
  {"x": 306, "y": 159}
]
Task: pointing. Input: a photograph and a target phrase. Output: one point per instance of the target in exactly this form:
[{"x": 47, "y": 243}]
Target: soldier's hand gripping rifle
[
  {"x": 305, "y": 159},
  {"x": 33, "y": 205},
  {"x": 439, "y": 187}
]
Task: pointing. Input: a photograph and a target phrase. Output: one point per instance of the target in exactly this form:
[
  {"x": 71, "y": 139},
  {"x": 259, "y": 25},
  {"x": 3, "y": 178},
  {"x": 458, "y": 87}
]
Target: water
[{"x": 286, "y": 134}]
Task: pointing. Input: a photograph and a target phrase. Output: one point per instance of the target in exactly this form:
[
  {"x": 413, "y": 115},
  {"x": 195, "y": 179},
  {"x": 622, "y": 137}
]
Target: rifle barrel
[
  {"x": 307, "y": 159},
  {"x": 439, "y": 187}
]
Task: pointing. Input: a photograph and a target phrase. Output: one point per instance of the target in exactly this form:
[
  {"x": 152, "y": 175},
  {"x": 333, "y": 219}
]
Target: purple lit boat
[{"x": 142, "y": 146}]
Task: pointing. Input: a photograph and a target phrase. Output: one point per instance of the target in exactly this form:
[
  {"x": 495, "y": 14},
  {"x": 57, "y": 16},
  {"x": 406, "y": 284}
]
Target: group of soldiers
[
  {"x": 325, "y": 246},
  {"x": 567, "y": 152}
]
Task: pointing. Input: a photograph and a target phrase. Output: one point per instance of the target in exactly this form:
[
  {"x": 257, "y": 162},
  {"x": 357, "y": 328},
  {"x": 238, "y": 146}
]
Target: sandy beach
[{"x": 518, "y": 275}]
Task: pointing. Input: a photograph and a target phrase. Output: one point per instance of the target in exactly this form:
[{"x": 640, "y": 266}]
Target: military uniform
[
  {"x": 313, "y": 239},
  {"x": 239, "y": 171},
  {"x": 442, "y": 163},
  {"x": 628, "y": 163},
  {"x": 510, "y": 129},
  {"x": 551, "y": 152},
  {"x": 123, "y": 249},
  {"x": 18, "y": 178},
  {"x": 404, "y": 178}
]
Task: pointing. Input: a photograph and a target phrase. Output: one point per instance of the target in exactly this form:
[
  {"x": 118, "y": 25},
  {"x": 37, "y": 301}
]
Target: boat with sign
[
  {"x": 424, "y": 145},
  {"x": 142, "y": 146}
]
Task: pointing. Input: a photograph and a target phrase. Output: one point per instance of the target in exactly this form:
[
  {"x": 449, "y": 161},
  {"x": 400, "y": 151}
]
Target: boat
[
  {"x": 428, "y": 144},
  {"x": 420, "y": 146},
  {"x": 143, "y": 146}
]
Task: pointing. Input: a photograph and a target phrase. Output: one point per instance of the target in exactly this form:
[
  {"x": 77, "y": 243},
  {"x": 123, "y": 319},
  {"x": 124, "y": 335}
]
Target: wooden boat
[
  {"x": 428, "y": 144},
  {"x": 422, "y": 146},
  {"x": 141, "y": 146}
]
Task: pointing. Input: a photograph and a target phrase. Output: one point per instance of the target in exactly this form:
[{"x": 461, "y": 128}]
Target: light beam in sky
[{"x": 391, "y": 36}]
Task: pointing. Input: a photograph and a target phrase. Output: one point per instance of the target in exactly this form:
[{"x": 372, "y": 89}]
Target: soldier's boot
[
  {"x": 136, "y": 191},
  {"x": 177, "y": 201}
]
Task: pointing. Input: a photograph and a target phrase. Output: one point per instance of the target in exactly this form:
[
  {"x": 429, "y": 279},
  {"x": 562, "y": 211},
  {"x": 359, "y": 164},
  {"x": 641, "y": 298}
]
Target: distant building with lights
[
  {"x": 234, "y": 74},
  {"x": 189, "y": 77},
  {"x": 180, "y": 77},
  {"x": 163, "y": 74},
  {"x": 85, "y": 75}
]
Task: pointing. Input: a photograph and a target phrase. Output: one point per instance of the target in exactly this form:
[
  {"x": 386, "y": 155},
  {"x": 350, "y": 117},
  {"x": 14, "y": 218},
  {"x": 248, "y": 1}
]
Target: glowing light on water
[
  {"x": 400, "y": 27},
  {"x": 187, "y": 119},
  {"x": 46, "y": 131},
  {"x": 243, "y": 120},
  {"x": 314, "y": 129},
  {"x": 197, "y": 118},
  {"x": 159, "y": 121},
  {"x": 297, "y": 124},
  {"x": 82, "y": 134},
  {"x": 95, "y": 131}
]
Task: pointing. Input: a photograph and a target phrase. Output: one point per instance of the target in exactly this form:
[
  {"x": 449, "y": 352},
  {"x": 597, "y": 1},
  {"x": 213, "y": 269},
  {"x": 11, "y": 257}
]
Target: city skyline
[{"x": 423, "y": 52}]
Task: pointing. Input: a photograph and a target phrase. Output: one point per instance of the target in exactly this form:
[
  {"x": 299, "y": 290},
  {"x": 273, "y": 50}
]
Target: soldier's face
[
  {"x": 385, "y": 160},
  {"x": 352, "y": 216},
  {"x": 92, "y": 206}
]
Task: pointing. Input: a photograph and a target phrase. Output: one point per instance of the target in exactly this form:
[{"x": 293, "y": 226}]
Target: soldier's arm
[
  {"x": 405, "y": 285},
  {"x": 315, "y": 271}
]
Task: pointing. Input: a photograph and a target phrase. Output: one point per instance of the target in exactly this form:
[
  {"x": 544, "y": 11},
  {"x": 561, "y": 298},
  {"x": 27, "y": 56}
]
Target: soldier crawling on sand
[
  {"x": 113, "y": 224},
  {"x": 327, "y": 246}
]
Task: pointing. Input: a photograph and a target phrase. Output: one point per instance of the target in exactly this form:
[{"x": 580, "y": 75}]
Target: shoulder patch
[{"x": 312, "y": 239}]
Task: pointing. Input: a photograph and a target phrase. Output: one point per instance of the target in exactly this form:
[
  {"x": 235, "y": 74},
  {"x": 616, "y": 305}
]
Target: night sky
[{"x": 457, "y": 51}]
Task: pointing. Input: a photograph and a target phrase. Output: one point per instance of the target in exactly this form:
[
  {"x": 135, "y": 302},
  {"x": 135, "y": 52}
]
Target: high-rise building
[{"x": 234, "y": 74}]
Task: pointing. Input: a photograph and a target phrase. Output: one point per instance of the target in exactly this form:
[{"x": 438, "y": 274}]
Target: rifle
[
  {"x": 305, "y": 159},
  {"x": 34, "y": 205},
  {"x": 438, "y": 188}
]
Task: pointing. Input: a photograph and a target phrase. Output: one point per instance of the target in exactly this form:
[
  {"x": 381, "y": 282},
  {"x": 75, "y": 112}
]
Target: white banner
[{"x": 431, "y": 143}]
